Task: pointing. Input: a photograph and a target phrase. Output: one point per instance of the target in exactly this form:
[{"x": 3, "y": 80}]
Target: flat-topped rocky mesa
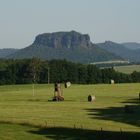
[
  {"x": 63, "y": 40},
  {"x": 72, "y": 46}
]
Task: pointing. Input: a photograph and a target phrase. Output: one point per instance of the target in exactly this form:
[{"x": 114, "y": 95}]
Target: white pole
[
  {"x": 33, "y": 87},
  {"x": 48, "y": 75},
  {"x": 34, "y": 84}
]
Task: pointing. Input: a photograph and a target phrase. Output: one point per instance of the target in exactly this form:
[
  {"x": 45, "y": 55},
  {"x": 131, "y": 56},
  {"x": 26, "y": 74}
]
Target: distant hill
[
  {"x": 6, "y": 52},
  {"x": 132, "y": 45},
  {"x": 72, "y": 46},
  {"x": 121, "y": 50}
]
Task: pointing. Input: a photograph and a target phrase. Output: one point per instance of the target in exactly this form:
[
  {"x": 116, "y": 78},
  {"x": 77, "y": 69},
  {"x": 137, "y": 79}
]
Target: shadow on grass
[
  {"x": 135, "y": 101},
  {"x": 63, "y": 133},
  {"x": 60, "y": 133},
  {"x": 119, "y": 114}
]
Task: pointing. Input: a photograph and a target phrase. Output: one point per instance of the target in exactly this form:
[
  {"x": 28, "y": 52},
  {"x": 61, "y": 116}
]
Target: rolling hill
[
  {"x": 132, "y": 45},
  {"x": 5, "y": 52},
  {"x": 121, "y": 50}
]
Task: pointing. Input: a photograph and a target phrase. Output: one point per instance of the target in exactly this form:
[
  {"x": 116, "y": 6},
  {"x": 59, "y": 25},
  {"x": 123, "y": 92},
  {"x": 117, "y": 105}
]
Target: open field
[
  {"x": 23, "y": 115},
  {"x": 128, "y": 69}
]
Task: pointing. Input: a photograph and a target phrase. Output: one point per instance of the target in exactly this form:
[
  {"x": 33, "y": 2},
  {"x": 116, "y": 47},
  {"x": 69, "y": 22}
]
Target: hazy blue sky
[{"x": 22, "y": 20}]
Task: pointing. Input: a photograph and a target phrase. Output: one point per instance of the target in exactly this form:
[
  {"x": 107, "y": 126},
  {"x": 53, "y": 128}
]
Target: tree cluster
[{"x": 34, "y": 70}]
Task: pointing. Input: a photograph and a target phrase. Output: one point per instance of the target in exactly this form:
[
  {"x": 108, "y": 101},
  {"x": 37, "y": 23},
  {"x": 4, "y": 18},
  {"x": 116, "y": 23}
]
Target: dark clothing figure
[{"x": 55, "y": 87}]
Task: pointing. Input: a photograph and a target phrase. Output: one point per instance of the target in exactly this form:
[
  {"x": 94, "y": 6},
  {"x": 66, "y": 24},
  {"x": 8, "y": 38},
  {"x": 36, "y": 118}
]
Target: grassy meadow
[
  {"x": 23, "y": 115},
  {"x": 128, "y": 69}
]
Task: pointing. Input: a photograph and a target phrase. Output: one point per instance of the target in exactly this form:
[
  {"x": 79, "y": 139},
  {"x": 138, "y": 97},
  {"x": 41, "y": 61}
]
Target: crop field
[
  {"x": 128, "y": 69},
  {"x": 35, "y": 117}
]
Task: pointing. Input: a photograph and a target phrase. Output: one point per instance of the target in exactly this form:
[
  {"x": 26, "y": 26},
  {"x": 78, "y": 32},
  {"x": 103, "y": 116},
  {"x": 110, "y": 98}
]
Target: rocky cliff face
[{"x": 63, "y": 40}]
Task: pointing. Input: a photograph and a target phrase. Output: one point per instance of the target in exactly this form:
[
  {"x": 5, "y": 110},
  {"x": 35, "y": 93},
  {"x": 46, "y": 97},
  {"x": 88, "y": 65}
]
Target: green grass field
[
  {"x": 24, "y": 116},
  {"x": 128, "y": 69}
]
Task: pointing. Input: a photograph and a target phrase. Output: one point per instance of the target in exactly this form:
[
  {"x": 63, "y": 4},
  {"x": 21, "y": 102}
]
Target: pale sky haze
[{"x": 22, "y": 20}]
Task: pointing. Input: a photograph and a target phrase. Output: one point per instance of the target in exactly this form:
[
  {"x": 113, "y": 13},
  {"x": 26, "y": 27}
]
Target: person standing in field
[{"x": 57, "y": 89}]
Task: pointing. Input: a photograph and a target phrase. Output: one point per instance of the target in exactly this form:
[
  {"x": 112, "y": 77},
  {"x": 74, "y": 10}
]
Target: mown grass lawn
[
  {"x": 128, "y": 69},
  {"x": 23, "y": 115}
]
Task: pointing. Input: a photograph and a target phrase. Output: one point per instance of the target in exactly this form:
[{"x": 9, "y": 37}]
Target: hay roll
[{"x": 91, "y": 98}]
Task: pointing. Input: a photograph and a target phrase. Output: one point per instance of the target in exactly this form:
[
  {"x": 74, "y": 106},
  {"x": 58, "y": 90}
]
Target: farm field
[
  {"x": 128, "y": 69},
  {"x": 24, "y": 116}
]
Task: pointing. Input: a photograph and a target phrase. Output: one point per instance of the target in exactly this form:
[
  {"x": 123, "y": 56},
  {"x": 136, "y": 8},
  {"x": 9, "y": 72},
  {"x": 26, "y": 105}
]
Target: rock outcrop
[{"x": 63, "y": 40}]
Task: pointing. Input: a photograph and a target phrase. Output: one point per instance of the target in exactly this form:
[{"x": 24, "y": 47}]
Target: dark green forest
[{"x": 34, "y": 70}]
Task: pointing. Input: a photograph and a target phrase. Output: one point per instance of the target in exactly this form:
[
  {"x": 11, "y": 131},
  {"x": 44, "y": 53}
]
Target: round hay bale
[
  {"x": 91, "y": 98},
  {"x": 112, "y": 81},
  {"x": 67, "y": 84}
]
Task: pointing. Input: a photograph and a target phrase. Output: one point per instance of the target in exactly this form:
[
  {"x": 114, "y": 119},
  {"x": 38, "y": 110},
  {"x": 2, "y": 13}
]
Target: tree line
[{"x": 34, "y": 70}]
